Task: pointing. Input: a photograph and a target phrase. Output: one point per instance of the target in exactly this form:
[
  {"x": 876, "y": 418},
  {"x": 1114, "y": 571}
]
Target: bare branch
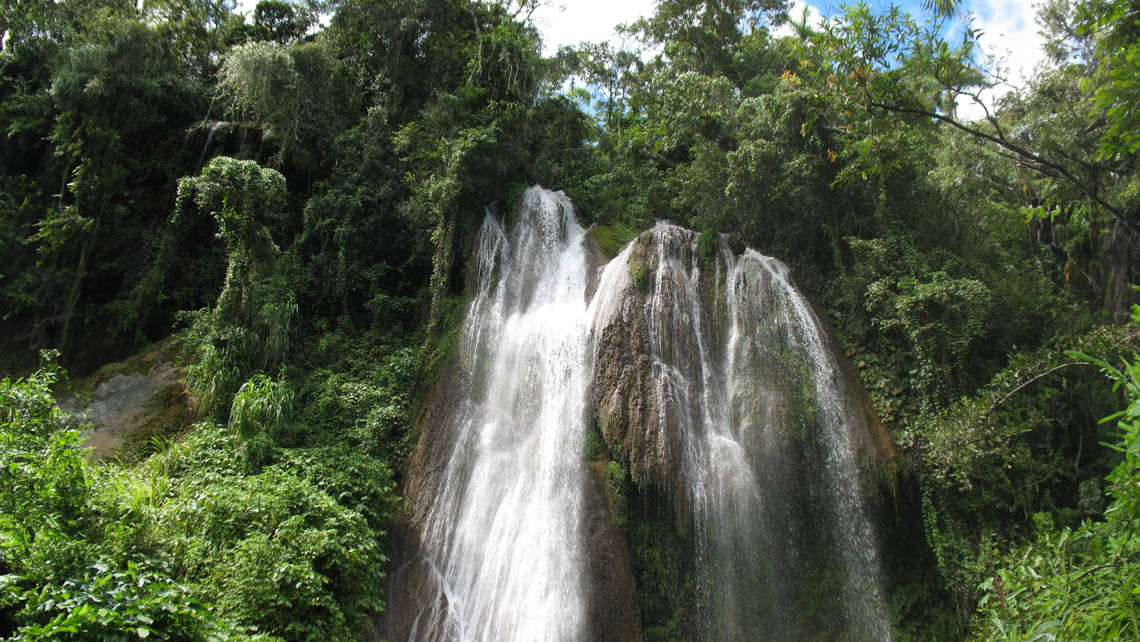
[{"x": 1009, "y": 395}]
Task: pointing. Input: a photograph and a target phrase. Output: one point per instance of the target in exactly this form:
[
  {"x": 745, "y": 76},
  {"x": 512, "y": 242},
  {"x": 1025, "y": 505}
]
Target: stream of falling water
[
  {"x": 761, "y": 299},
  {"x": 504, "y": 533}
]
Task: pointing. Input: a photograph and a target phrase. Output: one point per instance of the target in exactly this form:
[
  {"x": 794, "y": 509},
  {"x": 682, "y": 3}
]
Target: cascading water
[
  {"x": 709, "y": 378},
  {"x": 503, "y": 534},
  {"x": 742, "y": 415},
  {"x": 760, "y": 300}
]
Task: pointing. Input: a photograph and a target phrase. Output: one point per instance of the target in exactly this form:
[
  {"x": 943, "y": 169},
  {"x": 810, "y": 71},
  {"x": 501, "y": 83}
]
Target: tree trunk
[
  {"x": 441, "y": 273},
  {"x": 1117, "y": 254},
  {"x": 73, "y": 296}
]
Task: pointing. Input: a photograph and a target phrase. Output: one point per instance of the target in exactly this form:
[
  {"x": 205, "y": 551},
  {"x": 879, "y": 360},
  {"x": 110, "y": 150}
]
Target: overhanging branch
[
  {"x": 1039, "y": 164},
  {"x": 1009, "y": 395}
]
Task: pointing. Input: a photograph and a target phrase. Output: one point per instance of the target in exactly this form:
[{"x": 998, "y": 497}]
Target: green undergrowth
[
  {"x": 1080, "y": 581},
  {"x": 194, "y": 541},
  {"x": 1027, "y": 447}
]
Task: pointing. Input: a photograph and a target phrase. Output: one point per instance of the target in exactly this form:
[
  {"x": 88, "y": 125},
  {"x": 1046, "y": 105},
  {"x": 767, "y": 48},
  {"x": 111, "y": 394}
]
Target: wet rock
[
  {"x": 612, "y": 611},
  {"x": 642, "y": 388}
]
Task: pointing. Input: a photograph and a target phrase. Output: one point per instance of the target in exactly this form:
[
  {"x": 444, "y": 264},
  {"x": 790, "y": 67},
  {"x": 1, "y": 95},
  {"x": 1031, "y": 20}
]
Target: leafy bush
[
  {"x": 44, "y": 480},
  {"x": 116, "y": 606},
  {"x": 365, "y": 399},
  {"x": 258, "y": 408},
  {"x": 292, "y": 552},
  {"x": 274, "y": 552},
  {"x": 1069, "y": 585},
  {"x": 1023, "y": 446},
  {"x": 56, "y": 579},
  {"x": 358, "y": 482}
]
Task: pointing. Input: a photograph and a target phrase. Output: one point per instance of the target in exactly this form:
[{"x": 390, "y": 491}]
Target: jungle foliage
[{"x": 294, "y": 194}]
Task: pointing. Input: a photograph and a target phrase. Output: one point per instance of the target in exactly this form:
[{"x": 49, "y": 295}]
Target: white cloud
[
  {"x": 246, "y": 6},
  {"x": 796, "y": 15},
  {"x": 1010, "y": 31},
  {"x": 578, "y": 21},
  {"x": 1010, "y": 34}
]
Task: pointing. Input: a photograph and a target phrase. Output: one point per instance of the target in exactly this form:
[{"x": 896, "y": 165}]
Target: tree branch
[
  {"x": 1041, "y": 163},
  {"x": 1094, "y": 569},
  {"x": 1009, "y": 395}
]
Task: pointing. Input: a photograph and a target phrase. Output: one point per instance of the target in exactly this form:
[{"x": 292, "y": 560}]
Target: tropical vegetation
[{"x": 287, "y": 200}]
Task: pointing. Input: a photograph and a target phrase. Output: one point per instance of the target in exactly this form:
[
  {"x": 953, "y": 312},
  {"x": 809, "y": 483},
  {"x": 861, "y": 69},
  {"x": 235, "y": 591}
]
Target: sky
[
  {"x": 1009, "y": 32},
  {"x": 568, "y": 22}
]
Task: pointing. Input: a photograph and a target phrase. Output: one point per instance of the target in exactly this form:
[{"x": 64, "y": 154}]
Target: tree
[
  {"x": 105, "y": 125},
  {"x": 64, "y": 22},
  {"x": 281, "y": 22},
  {"x": 198, "y": 30},
  {"x": 248, "y": 329},
  {"x": 704, "y": 35},
  {"x": 1111, "y": 31},
  {"x": 296, "y": 95}
]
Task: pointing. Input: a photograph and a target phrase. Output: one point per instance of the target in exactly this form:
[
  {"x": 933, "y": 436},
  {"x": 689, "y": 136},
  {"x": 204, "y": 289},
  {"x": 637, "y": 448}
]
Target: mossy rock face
[
  {"x": 613, "y": 600},
  {"x": 665, "y": 567}
]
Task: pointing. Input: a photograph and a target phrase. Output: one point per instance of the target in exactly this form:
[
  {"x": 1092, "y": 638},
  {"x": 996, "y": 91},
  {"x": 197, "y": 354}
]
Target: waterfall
[
  {"x": 709, "y": 378},
  {"x": 761, "y": 300},
  {"x": 749, "y": 425},
  {"x": 503, "y": 535}
]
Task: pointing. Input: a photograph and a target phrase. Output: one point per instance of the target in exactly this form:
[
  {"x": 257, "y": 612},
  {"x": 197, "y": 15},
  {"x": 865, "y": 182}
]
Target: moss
[
  {"x": 639, "y": 265},
  {"x": 663, "y": 560},
  {"x": 596, "y": 449},
  {"x": 707, "y": 245},
  {"x": 612, "y": 238},
  {"x": 440, "y": 351},
  {"x": 639, "y": 273},
  {"x": 167, "y": 415},
  {"x": 82, "y": 389},
  {"x": 616, "y": 483},
  {"x": 798, "y": 375}
]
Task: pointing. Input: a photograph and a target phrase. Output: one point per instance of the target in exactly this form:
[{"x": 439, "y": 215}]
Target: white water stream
[{"x": 504, "y": 534}]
